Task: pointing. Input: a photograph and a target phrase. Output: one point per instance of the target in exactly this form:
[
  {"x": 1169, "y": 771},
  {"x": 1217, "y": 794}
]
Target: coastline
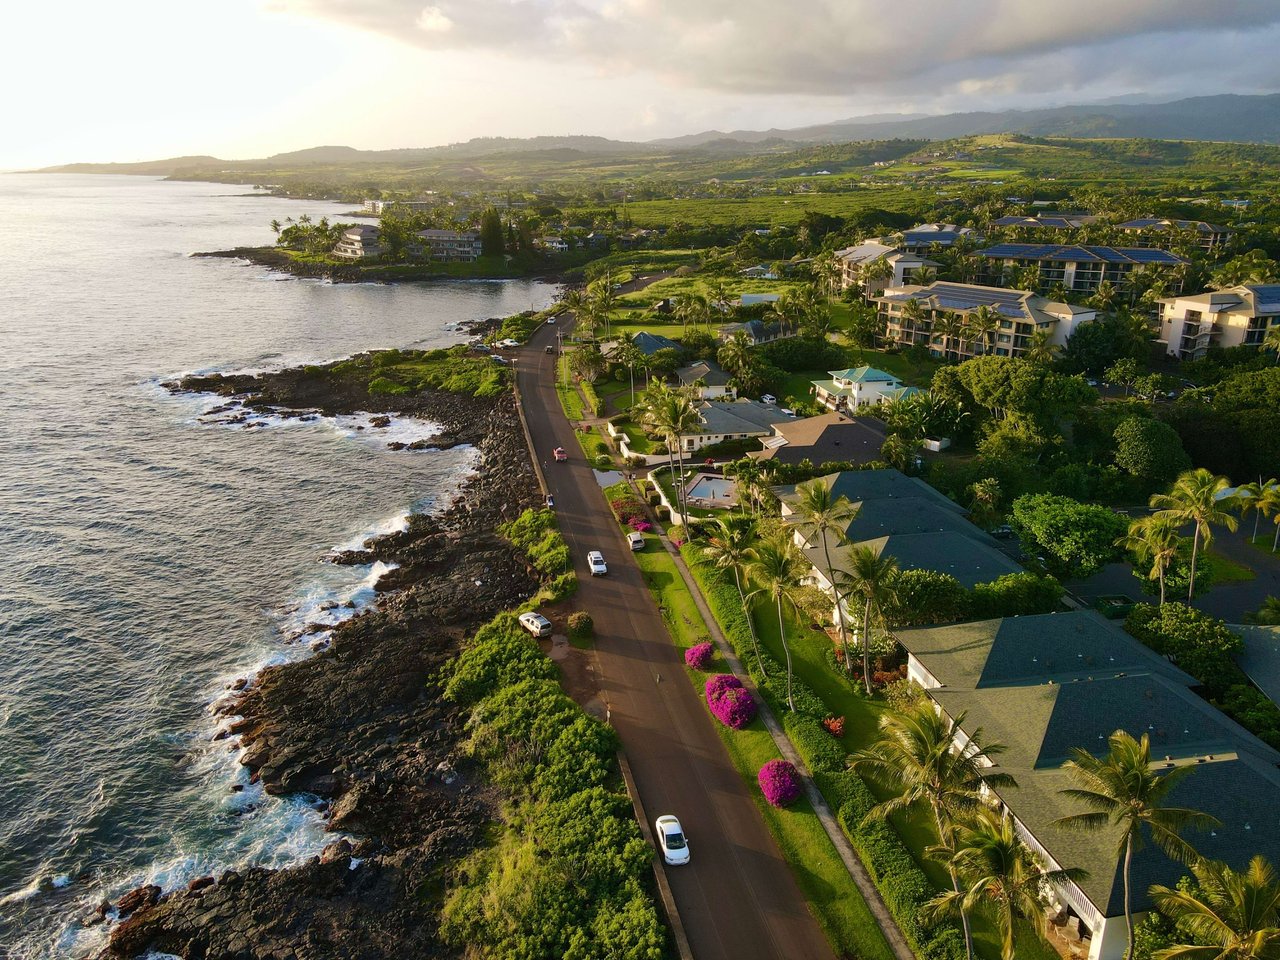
[
  {"x": 360, "y": 725},
  {"x": 273, "y": 258}
]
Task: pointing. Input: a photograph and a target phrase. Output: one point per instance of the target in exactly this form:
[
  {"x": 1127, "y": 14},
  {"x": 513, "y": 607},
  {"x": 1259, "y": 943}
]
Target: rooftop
[
  {"x": 651, "y": 343},
  {"x": 967, "y": 559},
  {"x": 1255, "y": 299},
  {"x": 863, "y": 375},
  {"x": 963, "y": 297},
  {"x": 708, "y": 371},
  {"x": 1261, "y": 657},
  {"x": 1157, "y": 223},
  {"x": 739, "y": 416},
  {"x": 863, "y": 485},
  {"x": 824, "y": 439},
  {"x": 1082, "y": 254}
]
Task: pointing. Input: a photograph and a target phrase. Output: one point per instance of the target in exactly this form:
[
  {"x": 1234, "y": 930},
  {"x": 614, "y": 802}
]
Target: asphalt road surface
[{"x": 737, "y": 897}]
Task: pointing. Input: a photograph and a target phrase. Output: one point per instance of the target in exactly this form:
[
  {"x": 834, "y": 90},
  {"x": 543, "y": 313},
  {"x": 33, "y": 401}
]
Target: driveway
[{"x": 737, "y": 898}]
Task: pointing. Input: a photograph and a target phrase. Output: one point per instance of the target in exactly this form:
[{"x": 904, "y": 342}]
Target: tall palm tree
[
  {"x": 899, "y": 451},
  {"x": 913, "y": 317},
  {"x": 869, "y": 577},
  {"x": 718, "y": 294},
  {"x": 1272, "y": 341},
  {"x": 1124, "y": 794},
  {"x": 999, "y": 876},
  {"x": 672, "y": 415},
  {"x": 629, "y": 354},
  {"x": 1040, "y": 347},
  {"x": 948, "y": 327},
  {"x": 820, "y": 516},
  {"x": 735, "y": 356},
  {"x": 778, "y": 568},
  {"x": 916, "y": 757},
  {"x": 1253, "y": 497},
  {"x": 1235, "y": 916},
  {"x": 983, "y": 324},
  {"x": 1195, "y": 498},
  {"x": 1155, "y": 540},
  {"x": 728, "y": 547}
]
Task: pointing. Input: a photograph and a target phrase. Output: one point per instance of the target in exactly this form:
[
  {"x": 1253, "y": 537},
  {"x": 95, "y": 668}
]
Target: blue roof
[{"x": 1081, "y": 254}]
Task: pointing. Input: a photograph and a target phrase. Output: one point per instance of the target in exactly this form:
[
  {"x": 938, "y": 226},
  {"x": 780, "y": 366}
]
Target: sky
[{"x": 145, "y": 79}]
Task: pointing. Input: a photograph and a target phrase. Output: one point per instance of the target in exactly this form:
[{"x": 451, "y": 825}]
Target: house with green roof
[
  {"x": 1044, "y": 686},
  {"x": 847, "y": 390}
]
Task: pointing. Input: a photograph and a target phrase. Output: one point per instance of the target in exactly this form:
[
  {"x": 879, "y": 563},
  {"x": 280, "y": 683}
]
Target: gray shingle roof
[
  {"x": 742, "y": 416},
  {"x": 968, "y": 560},
  {"x": 860, "y": 485},
  {"x": 708, "y": 371}
]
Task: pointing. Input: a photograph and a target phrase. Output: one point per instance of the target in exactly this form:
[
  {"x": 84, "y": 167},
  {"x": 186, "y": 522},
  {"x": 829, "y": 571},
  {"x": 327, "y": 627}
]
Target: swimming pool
[{"x": 715, "y": 491}]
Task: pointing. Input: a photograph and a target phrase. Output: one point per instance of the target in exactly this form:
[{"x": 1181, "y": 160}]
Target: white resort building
[{"x": 1238, "y": 316}]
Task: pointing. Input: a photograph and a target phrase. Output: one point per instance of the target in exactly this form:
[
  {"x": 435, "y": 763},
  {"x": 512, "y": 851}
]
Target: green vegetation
[
  {"x": 534, "y": 532},
  {"x": 400, "y": 372}
]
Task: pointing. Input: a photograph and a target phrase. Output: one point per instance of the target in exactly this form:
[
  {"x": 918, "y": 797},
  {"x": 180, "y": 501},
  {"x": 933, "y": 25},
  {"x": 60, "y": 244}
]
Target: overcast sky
[{"x": 147, "y": 79}]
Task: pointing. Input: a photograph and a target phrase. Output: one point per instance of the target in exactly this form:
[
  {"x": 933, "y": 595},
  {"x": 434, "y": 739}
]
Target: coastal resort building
[
  {"x": 1045, "y": 685},
  {"x": 1018, "y": 314},
  {"x": 827, "y": 438},
  {"x": 449, "y": 246},
  {"x": 758, "y": 331},
  {"x": 1047, "y": 223},
  {"x": 553, "y": 244},
  {"x": 875, "y": 265},
  {"x": 1148, "y": 231},
  {"x": 925, "y": 235},
  {"x": 1238, "y": 316},
  {"x": 1079, "y": 269},
  {"x": 731, "y": 420},
  {"x": 362, "y": 242},
  {"x": 708, "y": 378},
  {"x": 848, "y": 390}
]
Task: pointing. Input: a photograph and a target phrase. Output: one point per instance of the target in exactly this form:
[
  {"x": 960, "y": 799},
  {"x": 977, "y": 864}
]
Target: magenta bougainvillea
[
  {"x": 779, "y": 782},
  {"x": 644, "y": 526},
  {"x": 699, "y": 656},
  {"x": 732, "y": 703}
]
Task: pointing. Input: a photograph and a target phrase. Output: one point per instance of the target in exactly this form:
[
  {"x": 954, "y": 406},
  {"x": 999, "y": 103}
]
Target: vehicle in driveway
[
  {"x": 596, "y": 564},
  {"x": 635, "y": 540},
  {"x": 769, "y": 399},
  {"x": 785, "y": 412},
  {"x": 560, "y": 455},
  {"x": 671, "y": 840},
  {"x": 497, "y": 359},
  {"x": 536, "y": 624}
]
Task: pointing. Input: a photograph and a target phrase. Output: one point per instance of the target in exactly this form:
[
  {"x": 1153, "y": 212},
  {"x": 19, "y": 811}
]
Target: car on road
[
  {"x": 635, "y": 540},
  {"x": 769, "y": 398},
  {"x": 550, "y": 348},
  {"x": 671, "y": 840},
  {"x": 552, "y": 320},
  {"x": 536, "y": 624},
  {"x": 596, "y": 564},
  {"x": 551, "y": 501},
  {"x": 560, "y": 455}
]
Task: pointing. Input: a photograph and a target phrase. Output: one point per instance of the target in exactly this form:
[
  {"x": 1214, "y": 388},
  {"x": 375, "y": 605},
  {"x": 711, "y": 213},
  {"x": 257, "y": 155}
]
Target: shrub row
[
  {"x": 819, "y": 750},
  {"x": 567, "y": 876},
  {"x": 534, "y": 532},
  {"x": 905, "y": 887}
]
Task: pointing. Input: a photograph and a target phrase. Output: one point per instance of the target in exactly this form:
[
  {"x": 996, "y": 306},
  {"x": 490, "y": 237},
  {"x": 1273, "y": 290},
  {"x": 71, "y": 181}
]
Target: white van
[
  {"x": 536, "y": 624},
  {"x": 635, "y": 540}
]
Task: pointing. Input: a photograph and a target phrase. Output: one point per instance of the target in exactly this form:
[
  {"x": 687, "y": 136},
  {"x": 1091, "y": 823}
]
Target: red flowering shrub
[
  {"x": 731, "y": 703},
  {"x": 834, "y": 726},
  {"x": 779, "y": 782},
  {"x": 627, "y": 509},
  {"x": 699, "y": 656}
]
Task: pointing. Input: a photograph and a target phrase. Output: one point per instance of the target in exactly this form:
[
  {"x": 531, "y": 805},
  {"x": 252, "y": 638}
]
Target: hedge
[{"x": 818, "y": 749}]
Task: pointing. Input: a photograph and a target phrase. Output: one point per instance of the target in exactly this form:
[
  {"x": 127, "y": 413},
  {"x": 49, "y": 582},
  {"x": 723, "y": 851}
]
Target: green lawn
[
  {"x": 1265, "y": 542},
  {"x": 570, "y": 399},
  {"x": 1225, "y": 570},
  {"x": 636, "y": 439},
  {"x": 822, "y": 877}
]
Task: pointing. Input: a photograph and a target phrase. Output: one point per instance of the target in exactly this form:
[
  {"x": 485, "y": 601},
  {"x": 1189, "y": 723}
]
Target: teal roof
[{"x": 863, "y": 375}]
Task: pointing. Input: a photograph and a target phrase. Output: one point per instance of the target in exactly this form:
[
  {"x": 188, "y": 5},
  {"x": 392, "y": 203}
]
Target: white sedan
[
  {"x": 596, "y": 564},
  {"x": 671, "y": 840}
]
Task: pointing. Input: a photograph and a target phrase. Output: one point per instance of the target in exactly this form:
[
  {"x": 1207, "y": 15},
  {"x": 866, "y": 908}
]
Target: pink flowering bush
[
  {"x": 699, "y": 656},
  {"x": 643, "y": 526},
  {"x": 779, "y": 782},
  {"x": 731, "y": 703}
]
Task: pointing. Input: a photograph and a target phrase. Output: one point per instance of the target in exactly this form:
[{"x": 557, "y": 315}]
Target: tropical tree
[
  {"x": 735, "y": 356},
  {"x": 672, "y": 415},
  {"x": 587, "y": 362},
  {"x": 1272, "y": 341},
  {"x": 778, "y": 568},
  {"x": 1124, "y": 373},
  {"x": 690, "y": 308},
  {"x": 1040, "y": 347},
  {"x": 899, "y": 451},
  {"x": 916, "y": 757},
  {"x": 1234, "y": 916},
  {"x": 947, "y": 327},
  {"x": 913, "y": 317},
  {"x": 1196, "y": 497},
  {"x": 629, "y": 354},
  {"x": 1125, "y": 795},
  {"x": 999, "y": 876},
  {"x": 1255, "y": 497},
  {"x": 984, "y": 500},
  {"x": 869, "y": 577},
  {"x": 982, "y": 326},
  {"x": 718, "y": 294},
  {"x": 1104, "y": 297},
  {"x": 820, "y": 516},
  {"x": 728, "y": 547},
  {"x": 1155, "y": 540}
]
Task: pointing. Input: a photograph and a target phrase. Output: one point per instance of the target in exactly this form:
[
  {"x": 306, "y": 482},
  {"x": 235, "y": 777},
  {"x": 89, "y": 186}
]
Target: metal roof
[{"x": 1081, "y": 254}]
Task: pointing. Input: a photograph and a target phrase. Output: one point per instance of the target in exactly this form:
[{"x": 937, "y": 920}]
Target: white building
[
  {"x": 847, "y": 390},
  {"x": 359, "y": 243},
  {"x": 451, "y": 246},
  {"x": 1240, "y": 316},
  {"x": 856, "y": 263}
]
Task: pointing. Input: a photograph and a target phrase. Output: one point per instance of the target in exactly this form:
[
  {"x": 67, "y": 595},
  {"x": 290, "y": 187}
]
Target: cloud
[{"x": 863, "y": 49}]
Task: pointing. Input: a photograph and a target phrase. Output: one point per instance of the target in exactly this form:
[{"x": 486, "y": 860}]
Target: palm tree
[
  {"x": 735, "y": 356},
  {"x": 983, "y": 324},
  {"x": 869, "y": 577},
  {"x": 778, "y": 568},
  {"x": 984, "y": 499},
  {"x": 1040, "y": 347},
  {"x": 728, "y": 547},
  {"x": 1235, "y": 916},
  {"x": 672, "y": 414},
  {"x": 946, "y": 326},
  {"x": 1253, "y": 497},
  {"x": 913, "y": 316},
  {"x": 1272, "y": 341},
  {"x": 1124, "y": 794},
  {"x": 899, "y": 451},
  {"x": 718, "y": 294},
  {"x": 916, "y": 758},
  {"x": 275, "y": 227},
  {"x": 690, "y": 309},
  {"x": 1194, "y": 498},
  {"x": 819, "y": 515},
  {"x": 1156, "y": 540},
  {"x": 999, "y": 876}
]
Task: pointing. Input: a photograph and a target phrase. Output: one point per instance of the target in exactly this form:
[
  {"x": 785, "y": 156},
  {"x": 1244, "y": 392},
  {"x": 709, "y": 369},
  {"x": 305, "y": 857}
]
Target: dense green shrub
[
  {"x": 919, "y": 597},
  {"x": 1078, "y": 539},
  {"x": 561, "y": 588},
  {"x": 1195, "y": 641},
  {"x": 534, "y": 532},
  {"x": 819, "y": 750},
  {"x": 1014, "y": 595},
  {"x": 581, "y": 626},
  {"x": 500, "y": 653}
]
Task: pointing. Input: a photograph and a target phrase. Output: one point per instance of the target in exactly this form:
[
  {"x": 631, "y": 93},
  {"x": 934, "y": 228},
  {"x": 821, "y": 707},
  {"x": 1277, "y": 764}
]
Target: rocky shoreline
[
  {"x": 273, "y": 258},
  {"x": 361, "y": 725}
]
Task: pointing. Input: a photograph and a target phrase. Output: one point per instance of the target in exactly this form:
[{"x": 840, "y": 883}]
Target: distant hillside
[{"x": 159, "y": 168}]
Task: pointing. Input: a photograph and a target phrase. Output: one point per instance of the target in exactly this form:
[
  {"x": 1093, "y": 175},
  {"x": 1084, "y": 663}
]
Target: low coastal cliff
[
  {"x": 361, "y": 725},
  {"x": 274, "y": 258}
]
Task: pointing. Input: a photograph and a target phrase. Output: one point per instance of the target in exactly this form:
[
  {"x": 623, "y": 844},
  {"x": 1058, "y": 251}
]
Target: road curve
[{"x": 737, "y": 897}]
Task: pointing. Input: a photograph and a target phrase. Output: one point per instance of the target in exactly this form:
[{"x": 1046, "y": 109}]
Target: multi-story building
[
  {"x": 1018, "y": 314},
  {"x": 553, "y": 244},
  {"x": 1048, "y": 222},
  {"x": 359, "y": 243},
  {"x": 925, "y": 235},
  {"x": 452, "y": 246},
  {"x": 1239, "y": 316},
  {"x": 1152, "y": 230},
  {"x": 1079, "y": 269},
  {"x": 856, "y": 266},
  {"x": 848, "y": 390},
  {"x": 379, "y": 207}
]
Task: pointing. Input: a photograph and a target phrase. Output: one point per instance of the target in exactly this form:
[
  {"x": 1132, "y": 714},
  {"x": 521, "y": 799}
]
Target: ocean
[{"x": 150, "y": 557}]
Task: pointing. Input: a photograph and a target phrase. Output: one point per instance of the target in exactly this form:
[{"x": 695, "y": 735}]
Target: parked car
[
  {"x": 536, "y": 624},
  {"x": 769, "y": 398},
  {"x": 551, "y": 501},
  {"x": 671, "y": 840},
  {"x": 497, "y": 359},
  {"x": 560, "y": 455},
  {"x": 1002, "y": 532},
  {"x": 635, "y": 540},
  {"x": 596, "y": 564},
  {"x": 786, "y": 412}
]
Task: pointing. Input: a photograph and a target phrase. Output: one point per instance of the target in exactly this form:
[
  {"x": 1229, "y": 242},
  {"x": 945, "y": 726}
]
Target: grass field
[{"x": 1225, "y": 570}]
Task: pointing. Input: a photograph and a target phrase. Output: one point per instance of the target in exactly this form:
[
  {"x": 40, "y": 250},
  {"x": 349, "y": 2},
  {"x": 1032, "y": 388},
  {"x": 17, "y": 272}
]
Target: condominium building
[
  {"x": 1239, "y": 316},
  {"x": 925, "y": 235},
  {"x": 857, "y": 266},
  {"x": 1018, "y": 315},
  {"x": 1047, "y": 222},
  {"x": 1152, "y": 230},
  {"x": 1079, "y": 269},
  {"x": 452, "y": 246},
  {"x": 359, "y": 243}
]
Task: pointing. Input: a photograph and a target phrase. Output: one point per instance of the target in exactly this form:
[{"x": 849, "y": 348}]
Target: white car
[
  {"x": 785, "y": 412},
  {"x": 769, "y": 398},
  {"x": 552, "y": 319},
  {"x": 671, "y": 840},
  {"x": 596, "y": 564},
  {"x": 536, "y": 624},
  {"x": 635, "y": 540}
]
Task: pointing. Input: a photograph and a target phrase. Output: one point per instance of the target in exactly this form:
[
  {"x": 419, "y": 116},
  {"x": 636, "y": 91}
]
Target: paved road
[{"x": 737, "y": 897}]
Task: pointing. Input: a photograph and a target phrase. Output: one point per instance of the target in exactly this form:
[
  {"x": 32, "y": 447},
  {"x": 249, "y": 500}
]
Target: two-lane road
[{"x": 737, "y": 897}]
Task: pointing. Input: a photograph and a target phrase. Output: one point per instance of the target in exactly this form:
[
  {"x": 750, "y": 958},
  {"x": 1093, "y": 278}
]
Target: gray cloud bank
[{"x": 982, "y": 51}]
